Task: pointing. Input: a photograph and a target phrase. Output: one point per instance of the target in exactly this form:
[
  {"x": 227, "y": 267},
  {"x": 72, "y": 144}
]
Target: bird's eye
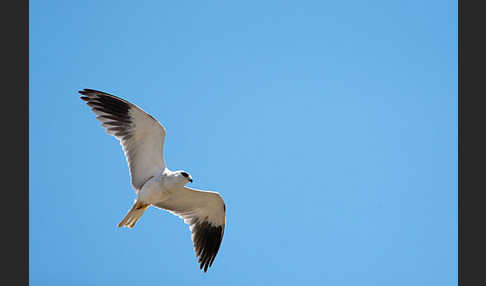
[{"x": 185, "y": 174}]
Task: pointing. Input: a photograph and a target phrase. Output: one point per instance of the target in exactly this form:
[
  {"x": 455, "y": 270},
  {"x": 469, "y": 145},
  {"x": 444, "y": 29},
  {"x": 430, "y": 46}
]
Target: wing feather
[
  {"x": 141, "y": 135},
  {"x": 205, "y": 213}
]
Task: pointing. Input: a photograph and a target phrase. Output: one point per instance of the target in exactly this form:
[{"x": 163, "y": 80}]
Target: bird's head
[{"x": 185, "y": 175}]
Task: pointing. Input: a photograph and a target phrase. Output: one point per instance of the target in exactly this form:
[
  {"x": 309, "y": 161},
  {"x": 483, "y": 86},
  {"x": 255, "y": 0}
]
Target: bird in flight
[{"x": 142, "y": 138}]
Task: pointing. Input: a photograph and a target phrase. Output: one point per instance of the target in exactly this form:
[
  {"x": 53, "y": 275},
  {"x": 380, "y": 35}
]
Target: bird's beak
[{"x": 190, "y": 180}]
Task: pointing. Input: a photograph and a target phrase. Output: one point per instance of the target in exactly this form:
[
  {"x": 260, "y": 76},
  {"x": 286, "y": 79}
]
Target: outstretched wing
[
  {"x": 141, "y": 135},
  {"x": 205, "y": 213}
]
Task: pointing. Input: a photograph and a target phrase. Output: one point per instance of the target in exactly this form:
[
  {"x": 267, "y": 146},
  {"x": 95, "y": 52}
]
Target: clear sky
[{"x": 329, "y": 128}]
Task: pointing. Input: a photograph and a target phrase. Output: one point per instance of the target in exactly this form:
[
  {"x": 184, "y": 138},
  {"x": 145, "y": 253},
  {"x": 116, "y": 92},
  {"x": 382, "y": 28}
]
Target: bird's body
[
  {"x": 142, "y": 138},
  {"x": 159, "y": 187}
]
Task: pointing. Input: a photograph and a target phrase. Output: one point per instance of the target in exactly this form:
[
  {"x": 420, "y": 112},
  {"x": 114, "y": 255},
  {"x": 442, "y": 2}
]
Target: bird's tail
[{"x": 134, "y": 214}]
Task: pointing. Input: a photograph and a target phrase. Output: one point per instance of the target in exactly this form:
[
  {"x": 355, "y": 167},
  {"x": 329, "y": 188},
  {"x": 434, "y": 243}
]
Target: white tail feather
[{"x": 134, "y": 214}]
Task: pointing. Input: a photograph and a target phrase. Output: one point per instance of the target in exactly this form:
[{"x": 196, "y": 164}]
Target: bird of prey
[{"x": 142, "y": 139}]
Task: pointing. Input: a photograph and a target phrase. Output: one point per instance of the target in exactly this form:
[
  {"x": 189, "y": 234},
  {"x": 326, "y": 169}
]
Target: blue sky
[{"x": 329, "y": 128}]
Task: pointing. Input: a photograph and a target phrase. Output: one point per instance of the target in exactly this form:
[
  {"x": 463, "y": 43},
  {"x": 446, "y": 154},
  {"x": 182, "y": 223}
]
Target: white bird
[{"x": 142, "y": 139}]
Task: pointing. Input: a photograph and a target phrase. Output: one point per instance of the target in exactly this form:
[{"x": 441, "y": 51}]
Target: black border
[
  {"x": 15, "y": 143},
  {"x": 471, "y": 144}
]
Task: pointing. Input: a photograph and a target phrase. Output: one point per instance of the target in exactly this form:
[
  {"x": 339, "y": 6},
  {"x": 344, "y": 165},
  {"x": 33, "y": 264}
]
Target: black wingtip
[
  {"x": 92, "y": 90},
  {"x": 207, "y": 240},
  {"x": 87, "y": 91}
]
